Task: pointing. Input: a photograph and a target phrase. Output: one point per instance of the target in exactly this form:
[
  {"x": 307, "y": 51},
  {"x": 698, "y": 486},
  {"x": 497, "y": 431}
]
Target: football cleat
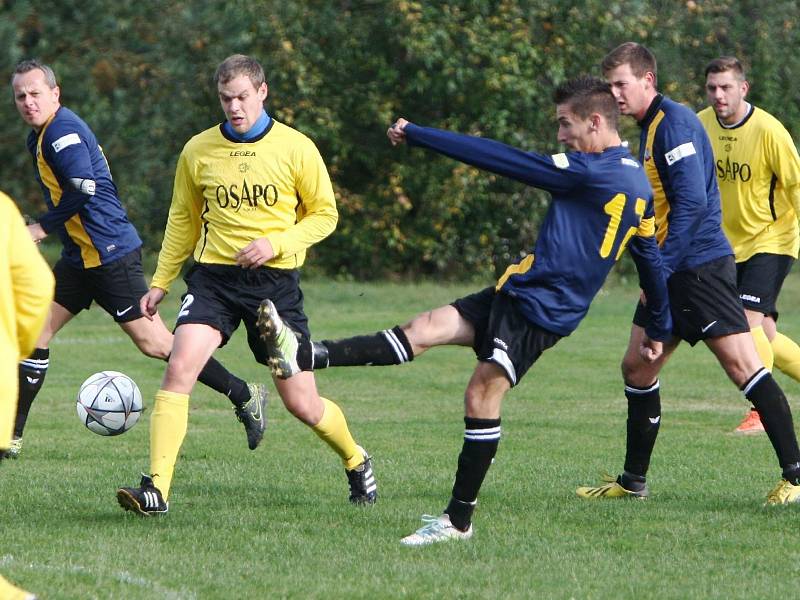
[
  {"x": 612, "y": 488},
  {"x": 145, "y": 500},
  {"x": 281, "y": 341},
  {"x": 436, "y": 529},
  {"x": 253, "y": 414},
  {"x": 783, "y": 493},
  {"x": 15, "y": 448},
  {"x": 751, "y": 424},
  {"x": 363, "y": 488}
]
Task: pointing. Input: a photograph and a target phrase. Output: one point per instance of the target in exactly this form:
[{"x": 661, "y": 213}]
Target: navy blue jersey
[
  {"x": 602, "y": 203},
  {"x": 82, "y": 202},
  {"x": 679, "y": 162}
]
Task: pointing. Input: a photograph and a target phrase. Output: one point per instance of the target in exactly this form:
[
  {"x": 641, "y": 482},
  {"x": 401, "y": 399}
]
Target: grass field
[{"x": 276, "y": 523}]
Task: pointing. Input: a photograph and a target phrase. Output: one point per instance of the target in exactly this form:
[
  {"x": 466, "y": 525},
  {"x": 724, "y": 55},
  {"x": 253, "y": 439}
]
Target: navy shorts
[
  {"x": 502, "y": 333},
  {"x": 117, "y": 287},
  {"x": 760, "y": 279},
  {"x": 222, "y": 296},
  {"x": 704, "y": 302}
]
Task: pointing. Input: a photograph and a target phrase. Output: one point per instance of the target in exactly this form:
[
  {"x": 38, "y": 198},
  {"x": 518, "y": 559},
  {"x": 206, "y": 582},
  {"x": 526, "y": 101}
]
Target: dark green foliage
[{"x": 341, "y": 71}]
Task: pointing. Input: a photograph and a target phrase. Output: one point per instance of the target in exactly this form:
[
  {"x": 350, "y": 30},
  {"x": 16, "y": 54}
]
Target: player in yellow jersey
[
  {"x": 250, "y": 196},
  {"x": 26, "y": 290},
  {"x": 758, "y": 170}
]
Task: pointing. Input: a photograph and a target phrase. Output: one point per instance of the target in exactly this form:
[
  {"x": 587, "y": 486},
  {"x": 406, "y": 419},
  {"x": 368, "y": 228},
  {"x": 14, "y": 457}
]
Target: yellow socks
[
  {"x": 167, "y": 429},
  {"x": 332, "y": 429},
  {"x": 763, "y": 347},
  {"x": 787, "y": 355}
]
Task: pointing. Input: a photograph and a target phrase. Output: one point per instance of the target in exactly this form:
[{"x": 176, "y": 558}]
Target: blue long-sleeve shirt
[
  {"x": 83, "y": 206},
  {"x": 602, "y": 203},
  {"x": 679, "y": 162}
]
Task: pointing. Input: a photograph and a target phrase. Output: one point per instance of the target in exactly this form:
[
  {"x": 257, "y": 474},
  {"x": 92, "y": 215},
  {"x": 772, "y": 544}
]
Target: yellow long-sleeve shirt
[
  {"x": 758, "y": 171},
  {"x": 26, "y": 291},
  {"x": 229, "y": 193}
]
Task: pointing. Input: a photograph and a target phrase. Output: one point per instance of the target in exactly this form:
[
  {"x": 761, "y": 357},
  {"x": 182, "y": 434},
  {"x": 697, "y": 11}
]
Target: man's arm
[
  {"x": 557, "y": 173},
  {"x": 687, "y": 183},
  {"x": 183, "y": 226},
  {"x": 652, "y": 280},
  {"x": 317, "y": 215},
  {"x": 69, "y": 159},
  {"x": 785, "y": 164}
]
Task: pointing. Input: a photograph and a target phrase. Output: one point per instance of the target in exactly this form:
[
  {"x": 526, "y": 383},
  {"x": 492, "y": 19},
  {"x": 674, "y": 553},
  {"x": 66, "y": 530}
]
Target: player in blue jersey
[
  {"x": 704, "y": 299},
  {"x": 601, "y": 204},
  {"x": 101, "y": 259}
]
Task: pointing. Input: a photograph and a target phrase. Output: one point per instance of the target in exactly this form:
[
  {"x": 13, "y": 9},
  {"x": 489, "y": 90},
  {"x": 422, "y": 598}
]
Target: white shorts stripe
[{"x": 501, "y": 358}]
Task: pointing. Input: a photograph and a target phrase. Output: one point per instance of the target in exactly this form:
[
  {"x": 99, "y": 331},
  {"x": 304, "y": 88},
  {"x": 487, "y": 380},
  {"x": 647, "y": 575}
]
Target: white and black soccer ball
[{"x": 109, "y": 403}]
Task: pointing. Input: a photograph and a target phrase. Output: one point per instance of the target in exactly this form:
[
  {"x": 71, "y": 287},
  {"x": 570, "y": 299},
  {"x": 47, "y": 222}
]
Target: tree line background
[{"x": 341, "y": 71}]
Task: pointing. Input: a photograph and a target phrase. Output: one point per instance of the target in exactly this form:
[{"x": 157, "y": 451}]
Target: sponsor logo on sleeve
[
  {"x": 680, "y": 152},
  {"x": 66, "y": 140}
]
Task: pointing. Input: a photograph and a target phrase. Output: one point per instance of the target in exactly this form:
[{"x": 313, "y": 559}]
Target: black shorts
[
  {"x": 502, "y": 334},
  {"x": 117, "y": 287},
  {"x": 760, "y": 279},
  {"x": 704, "y": 302},
  {"x": 222, "y": 296}
]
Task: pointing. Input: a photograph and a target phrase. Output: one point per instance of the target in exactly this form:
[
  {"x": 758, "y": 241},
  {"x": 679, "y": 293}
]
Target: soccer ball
[{"x": 109, "y": 403}]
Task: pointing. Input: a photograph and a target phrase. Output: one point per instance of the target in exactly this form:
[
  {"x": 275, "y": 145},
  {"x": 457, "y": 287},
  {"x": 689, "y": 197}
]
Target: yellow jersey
[
  {"x": 758, "y": 170},
  {"x": 228, "y": 193}
]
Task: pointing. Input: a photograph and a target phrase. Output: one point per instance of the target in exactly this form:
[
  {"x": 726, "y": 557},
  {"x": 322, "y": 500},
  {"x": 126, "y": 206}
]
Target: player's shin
[
  {"x": 763, "y": 347},
  {"x": 388, "y": 347},
  {"x": 644, "y": 420},
  {"x": 787, "y": 355},
  {"x": 168, "y": 425},
  {"x": 219, "y": 379},
  {"x": 770, "y": 402},
  {"x": 332, "y": 429},
  {"x": 32, "y": 372},
  {"x": 481, "y": 438}
]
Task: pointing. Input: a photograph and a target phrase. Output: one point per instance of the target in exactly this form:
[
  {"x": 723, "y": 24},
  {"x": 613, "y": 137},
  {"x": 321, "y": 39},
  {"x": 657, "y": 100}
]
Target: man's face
[
  {"x": 633, "y": 94},
  {"x": 726, "y": 94},
  {"x": 35, "y": 100},
  {"x": 241, "y": 102},
  {"x": 573, "y": 131}
]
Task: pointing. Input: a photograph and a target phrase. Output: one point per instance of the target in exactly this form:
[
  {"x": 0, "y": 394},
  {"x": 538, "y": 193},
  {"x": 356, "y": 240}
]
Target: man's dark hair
[
  {"x": 239, "y": 64},
  {"x": 726, "y": 63},
  {"x": 640, "y": 59},
  {"x": 32, "y": 64},
  {"x": 585, "y": 95}
]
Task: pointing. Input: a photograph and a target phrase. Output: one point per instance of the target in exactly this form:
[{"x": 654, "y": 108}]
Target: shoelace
[{"x": 432, "y": 527}]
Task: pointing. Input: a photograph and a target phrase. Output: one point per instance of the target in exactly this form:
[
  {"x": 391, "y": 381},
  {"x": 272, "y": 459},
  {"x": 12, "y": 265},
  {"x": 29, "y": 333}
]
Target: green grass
[{"x": 275, "y": 523}]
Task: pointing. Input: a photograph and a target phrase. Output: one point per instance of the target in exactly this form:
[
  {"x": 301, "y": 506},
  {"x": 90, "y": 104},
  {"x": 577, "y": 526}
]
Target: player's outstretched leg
[
  {"x": 281, "y": 341},
  {"x": 145, "y": 500},
  {"x": 253, "y": 414}
]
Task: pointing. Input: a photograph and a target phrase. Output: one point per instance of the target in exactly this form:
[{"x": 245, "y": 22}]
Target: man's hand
[
  {"x": 255, "y": 254},
  {"x": 149, "y": 302},
  {"x": 650, "y": 350},
  {"x": 396, "y": 132},
  {"x": 37, "y": 233}
]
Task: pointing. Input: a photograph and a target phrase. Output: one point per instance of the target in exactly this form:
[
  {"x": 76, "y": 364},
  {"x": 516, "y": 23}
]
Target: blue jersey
[
  {"x": 602, "y": 203},
  {"x": 679, "y": 162},
  {"x": 82, "y": 202}
]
